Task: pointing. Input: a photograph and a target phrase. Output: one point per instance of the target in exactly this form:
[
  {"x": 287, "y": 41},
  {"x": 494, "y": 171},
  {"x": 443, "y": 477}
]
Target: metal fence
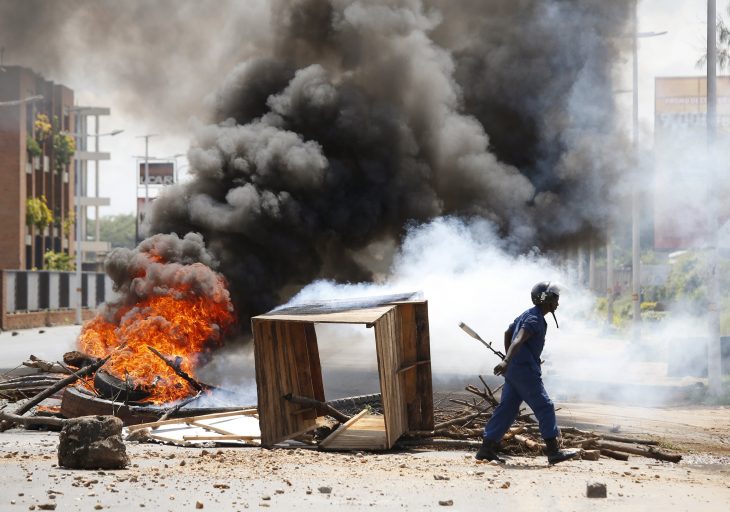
[{"x": 38, "y": 290}]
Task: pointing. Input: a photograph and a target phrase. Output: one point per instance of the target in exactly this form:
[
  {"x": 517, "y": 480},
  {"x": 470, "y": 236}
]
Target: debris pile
[
  {"x": 81, "y": 393},
  {"x": 459, "y": 420},
  {"x": 462, "y": 426}
]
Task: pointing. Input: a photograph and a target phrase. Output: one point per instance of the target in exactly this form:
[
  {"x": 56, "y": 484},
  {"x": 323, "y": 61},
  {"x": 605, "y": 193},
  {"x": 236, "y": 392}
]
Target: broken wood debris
[
  {"x": 10, "y": 418},
  {"x": 463, "y": 427},
  {"x": 26, "y": 386},
  {"x": 46, "y": 366},
  {"x": 175, "y": 367},
  {"x": 460, "y": 421},
  {"x": 232, "y": 426},
  {"x": 323, "y": 406}
]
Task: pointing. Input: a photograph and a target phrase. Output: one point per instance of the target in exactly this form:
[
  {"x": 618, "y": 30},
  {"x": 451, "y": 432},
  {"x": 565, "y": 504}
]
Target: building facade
[{"x": 36, "y": 156}]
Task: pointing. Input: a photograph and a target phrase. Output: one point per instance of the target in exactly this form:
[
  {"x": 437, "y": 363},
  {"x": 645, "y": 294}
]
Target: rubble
[
  {"x": 596, "y": 490},
  {"x": 460, "y": 427},
  {"x": 458, "y": 419},
  {"x": 92, "y": 442}
]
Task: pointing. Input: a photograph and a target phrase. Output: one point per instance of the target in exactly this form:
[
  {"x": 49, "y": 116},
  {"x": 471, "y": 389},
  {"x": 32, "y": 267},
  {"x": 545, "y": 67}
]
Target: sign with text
[
  {"x": 688, "y": 196},
  {"x": 159, "y": 173}
]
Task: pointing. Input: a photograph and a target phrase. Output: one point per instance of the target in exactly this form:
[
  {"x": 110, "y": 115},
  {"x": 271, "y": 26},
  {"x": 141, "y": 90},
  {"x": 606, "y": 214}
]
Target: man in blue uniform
[{"x": 524, "y": 340}]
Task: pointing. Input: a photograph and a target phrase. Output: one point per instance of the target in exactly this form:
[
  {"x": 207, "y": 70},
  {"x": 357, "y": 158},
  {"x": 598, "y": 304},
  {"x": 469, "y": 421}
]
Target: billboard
[
  {"x": 159, "y": 173},
  {"x": 685, "y": 184}
]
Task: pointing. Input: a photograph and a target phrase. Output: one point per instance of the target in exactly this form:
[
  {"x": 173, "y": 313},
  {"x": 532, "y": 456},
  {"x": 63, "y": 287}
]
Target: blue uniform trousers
[{"x": 523, "y": 383}]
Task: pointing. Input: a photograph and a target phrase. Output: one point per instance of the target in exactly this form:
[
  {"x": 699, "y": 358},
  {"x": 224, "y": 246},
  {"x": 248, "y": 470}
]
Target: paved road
[{"x": 49, "y": 343}]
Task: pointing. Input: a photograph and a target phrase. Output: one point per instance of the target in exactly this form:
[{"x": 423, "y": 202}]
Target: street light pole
[
  {"x": 77, "y": 175},
  {"x": 146, "y": 169},
  {"x": 635, "y": 239},
  {"x": 714, "y": 349},
  {"x": 15, "y": 103},
  {"x": 635, "y": 195}
]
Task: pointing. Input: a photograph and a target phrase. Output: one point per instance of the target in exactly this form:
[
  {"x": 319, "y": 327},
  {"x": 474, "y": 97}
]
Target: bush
[
  {"x": 58, "y": 261},
  {"x": 34, "y": 149},
  {"x": 64, "y": 147},
  {"x": 37, "y": 213}
]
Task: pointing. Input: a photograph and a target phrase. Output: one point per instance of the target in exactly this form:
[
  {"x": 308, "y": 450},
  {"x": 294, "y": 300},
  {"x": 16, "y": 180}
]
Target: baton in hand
[{"x": 471, "y": 332}]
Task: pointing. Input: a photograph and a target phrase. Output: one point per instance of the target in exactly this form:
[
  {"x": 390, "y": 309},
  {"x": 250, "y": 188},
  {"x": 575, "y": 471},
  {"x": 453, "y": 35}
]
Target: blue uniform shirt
[{"x": 533, "y": 322}]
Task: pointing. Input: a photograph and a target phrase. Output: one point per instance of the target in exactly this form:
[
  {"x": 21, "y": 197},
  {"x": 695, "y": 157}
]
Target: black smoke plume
[
  {"x": 363, "y": 117},
  {"x": 343, "y": 122}
]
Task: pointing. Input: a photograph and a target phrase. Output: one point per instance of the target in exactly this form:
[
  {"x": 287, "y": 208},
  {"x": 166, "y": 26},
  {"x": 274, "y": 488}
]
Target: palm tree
[{"x": 723, "y": 45}]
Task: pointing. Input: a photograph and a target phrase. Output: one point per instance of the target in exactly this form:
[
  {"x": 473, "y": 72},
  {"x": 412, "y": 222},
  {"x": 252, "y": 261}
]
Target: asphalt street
[{"x": 49, "y": 343}]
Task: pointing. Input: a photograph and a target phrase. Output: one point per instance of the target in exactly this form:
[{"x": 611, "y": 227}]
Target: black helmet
[{"x": 544, "y": 292}]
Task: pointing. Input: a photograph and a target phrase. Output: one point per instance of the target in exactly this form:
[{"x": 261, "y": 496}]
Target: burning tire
[{"x": 118, "y": 390}]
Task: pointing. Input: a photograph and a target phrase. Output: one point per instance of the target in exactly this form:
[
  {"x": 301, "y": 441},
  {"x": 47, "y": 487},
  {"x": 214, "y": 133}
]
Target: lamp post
[
  {"x": 635, "y": 198},
  {"x": 23, "y": 101},
  {"x": 714, "y": 348},
  {"x": 146, "y": 167}
]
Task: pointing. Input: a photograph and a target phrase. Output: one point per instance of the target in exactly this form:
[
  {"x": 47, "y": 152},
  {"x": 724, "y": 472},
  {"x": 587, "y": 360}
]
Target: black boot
[
  {"x": 488, "y": 451},
  {"x": 555, "y": 454}
]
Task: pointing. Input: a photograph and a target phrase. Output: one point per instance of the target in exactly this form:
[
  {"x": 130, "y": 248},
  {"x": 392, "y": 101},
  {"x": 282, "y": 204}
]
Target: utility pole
[
  {"x": 635, "y": 239},
  {"x": 714, "y": 353},
  {"x": 80, "y": 146},
  {"x": 609, "y": 277},
  {"x": 146, "y": 169}
]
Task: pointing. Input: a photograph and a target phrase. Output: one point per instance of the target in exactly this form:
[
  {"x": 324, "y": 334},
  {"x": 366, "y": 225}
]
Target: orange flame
[{"x": 179, "y": 323}]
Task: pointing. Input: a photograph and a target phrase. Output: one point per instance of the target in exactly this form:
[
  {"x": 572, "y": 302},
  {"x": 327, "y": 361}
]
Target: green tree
[
  {"x": 723, "y": 45},
  {"x": 686, "y": 280},
  {"x": 118, "y": 229}
]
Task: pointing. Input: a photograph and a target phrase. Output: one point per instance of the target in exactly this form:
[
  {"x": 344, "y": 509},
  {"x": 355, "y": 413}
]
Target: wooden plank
[
  {"x": 181, "y": 421},
  {"x": 353, "y": 316},
  {"x": 424, "y": 381},
  {"x": 409, "y": 350},
  {"x": 302, "y": 366},
  {"x": 298, "y": 359},
  {"x": 280, "y": 348},
  {"x": 399, "y": 380},
  {"x": 330, "y": 438},
  {"x": 365, "y": 433},
  {"x": 211, "y": 428},
  {"x": 262, "y": 350},
  {"x": 266, "y": 353},
  {"x": 286, "y": 422},
  {"x": 164, "y": 439},
  {"x": 229, "y": 437},
  {"x": 388, "y": 349},
  {"x": 315, "y": 369},
  {"x": 260, "y": 372},
  {"x": 289, "y": 374}
]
